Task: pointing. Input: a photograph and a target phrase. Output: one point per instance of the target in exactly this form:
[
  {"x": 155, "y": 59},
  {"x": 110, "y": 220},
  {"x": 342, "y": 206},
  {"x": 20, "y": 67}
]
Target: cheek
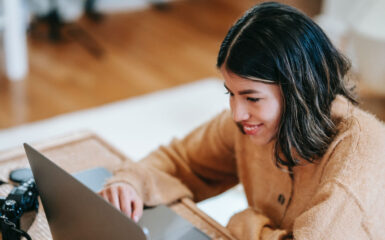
[{"x": 270, "y": 113}]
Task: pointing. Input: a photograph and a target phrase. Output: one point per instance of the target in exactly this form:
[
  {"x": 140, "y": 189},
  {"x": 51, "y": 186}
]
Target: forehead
[{"x": 237, "y": 83}]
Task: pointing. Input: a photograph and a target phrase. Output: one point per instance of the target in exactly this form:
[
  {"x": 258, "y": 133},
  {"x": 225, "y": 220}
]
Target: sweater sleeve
[{"x": 199, "y": 166}]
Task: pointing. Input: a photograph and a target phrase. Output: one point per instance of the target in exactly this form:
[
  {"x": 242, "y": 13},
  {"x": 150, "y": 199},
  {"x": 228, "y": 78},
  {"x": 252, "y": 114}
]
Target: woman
[{"x": 311, "y": 162}]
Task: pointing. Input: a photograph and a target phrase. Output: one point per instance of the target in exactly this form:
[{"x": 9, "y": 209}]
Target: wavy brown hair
[{"x": 276, "y": 42}]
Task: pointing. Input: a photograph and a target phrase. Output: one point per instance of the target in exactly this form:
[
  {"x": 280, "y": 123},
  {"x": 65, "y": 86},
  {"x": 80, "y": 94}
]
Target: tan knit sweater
[{"x": 341, "y": 197}]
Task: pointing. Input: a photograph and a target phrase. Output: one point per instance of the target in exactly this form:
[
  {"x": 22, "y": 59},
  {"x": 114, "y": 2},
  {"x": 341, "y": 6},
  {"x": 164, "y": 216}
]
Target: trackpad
[
  {"x": 93, "y": 178},
  {"x": 164, "y": 223}
]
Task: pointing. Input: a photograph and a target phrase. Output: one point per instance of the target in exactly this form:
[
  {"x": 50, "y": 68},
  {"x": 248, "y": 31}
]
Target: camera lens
[{"x": 20, "y": 175}]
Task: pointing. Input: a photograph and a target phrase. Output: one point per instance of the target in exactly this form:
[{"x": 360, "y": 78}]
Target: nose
[{"x": 240, "y": 111}]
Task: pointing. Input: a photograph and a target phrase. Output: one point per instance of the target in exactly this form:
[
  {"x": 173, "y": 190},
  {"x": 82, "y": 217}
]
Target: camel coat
[{"x": 340, "y": 197}]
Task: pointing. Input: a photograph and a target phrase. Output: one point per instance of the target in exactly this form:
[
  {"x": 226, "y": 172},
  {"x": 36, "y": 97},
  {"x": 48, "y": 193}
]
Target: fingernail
[{"x": 136, "y": 218}]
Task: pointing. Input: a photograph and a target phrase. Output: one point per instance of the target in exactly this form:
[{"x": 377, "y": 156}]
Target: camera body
[{"x": 21, "y": 199}]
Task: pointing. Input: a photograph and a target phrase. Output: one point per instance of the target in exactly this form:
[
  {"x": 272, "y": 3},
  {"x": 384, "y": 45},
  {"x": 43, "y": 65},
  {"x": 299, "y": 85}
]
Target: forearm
[
  {"x": 152, "y": 185},
  {"x": 199, "y": 166},
  {"x": 333, "y": 214},
  {"x": 250, "y": 225}
]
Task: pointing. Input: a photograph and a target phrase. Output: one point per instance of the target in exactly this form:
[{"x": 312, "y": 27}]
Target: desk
[{"x": 80, "y": 151}]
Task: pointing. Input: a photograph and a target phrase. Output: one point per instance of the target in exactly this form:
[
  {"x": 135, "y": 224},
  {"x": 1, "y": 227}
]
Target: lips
[{"x": 251, "y": 129}]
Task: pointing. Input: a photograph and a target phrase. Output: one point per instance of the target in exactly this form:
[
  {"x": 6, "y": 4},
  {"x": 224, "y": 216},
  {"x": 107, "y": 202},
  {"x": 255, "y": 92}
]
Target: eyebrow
[{"x": 243, "y": 92}]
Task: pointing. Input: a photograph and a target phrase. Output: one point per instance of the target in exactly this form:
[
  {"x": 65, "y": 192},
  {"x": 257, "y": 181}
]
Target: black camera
[{"x": 22, "y": 198}]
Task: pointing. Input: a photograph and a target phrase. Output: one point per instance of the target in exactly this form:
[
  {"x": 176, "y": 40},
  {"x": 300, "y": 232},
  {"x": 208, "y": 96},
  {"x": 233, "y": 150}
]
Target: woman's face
[{"x": 256, "y": 106}]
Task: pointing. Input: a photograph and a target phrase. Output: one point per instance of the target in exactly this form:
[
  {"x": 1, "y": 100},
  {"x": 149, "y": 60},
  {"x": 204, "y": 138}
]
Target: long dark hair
[{"x": 276, "y": 42}]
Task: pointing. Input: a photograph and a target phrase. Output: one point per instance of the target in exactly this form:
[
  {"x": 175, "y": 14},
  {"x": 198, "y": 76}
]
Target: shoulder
[
  {"x": 224, "y": 118},
  {"x": 220, "y": 129},
  {"x": 359, "y": 130},
  {"x": 365, "y": 132},
  {"x": 356, "y": 157},
  {"x": 223, "y": 122}
]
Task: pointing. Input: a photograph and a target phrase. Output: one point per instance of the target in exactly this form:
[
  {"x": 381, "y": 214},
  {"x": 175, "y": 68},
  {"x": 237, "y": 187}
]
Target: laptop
[{"x": 76, "y": 212}]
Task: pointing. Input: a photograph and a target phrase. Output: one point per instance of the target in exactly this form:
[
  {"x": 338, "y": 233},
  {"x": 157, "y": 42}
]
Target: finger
[
  {"x": 103, "y": 195},
  {"x": 137, "y": 207},
  {"x": 113, "y": 197},
  {"x": 125, "y": 202}
]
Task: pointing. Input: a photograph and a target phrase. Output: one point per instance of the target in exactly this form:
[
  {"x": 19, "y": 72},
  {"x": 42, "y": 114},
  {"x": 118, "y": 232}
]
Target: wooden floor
[{"x": 124, "y": 55}]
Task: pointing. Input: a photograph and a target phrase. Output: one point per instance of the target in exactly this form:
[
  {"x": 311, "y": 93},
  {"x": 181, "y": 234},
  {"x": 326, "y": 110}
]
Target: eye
[
  {"x": 230, "y": 93},
  {"x": 253, "y": 99}
]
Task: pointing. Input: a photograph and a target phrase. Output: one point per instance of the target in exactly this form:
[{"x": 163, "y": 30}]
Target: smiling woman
[{"x": 310, "y": 161}]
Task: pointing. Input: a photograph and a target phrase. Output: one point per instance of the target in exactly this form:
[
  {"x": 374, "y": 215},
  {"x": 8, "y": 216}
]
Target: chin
[{"x": 260, "y": 141}]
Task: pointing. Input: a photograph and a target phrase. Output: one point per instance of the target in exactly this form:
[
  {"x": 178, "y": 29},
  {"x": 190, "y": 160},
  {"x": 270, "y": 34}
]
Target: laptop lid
[{"x": 73, "y": 211}]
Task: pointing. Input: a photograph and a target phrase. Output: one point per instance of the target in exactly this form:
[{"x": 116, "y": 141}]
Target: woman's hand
[{"x": 124, "y": 197}]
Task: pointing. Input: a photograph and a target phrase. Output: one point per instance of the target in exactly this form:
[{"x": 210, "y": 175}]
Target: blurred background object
[
  {"x": 13, "y": 25},
  {"x": 368, "y": 45},
  {"x": 357, "y": 28}
]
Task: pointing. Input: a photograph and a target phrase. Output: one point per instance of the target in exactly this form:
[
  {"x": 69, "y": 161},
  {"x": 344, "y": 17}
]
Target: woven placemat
[{"x": 75, "y": 152}]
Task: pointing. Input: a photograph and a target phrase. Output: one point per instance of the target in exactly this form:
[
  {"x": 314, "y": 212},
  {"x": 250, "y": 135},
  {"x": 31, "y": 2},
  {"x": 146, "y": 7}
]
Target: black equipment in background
[{"x": 22, "y": 199}]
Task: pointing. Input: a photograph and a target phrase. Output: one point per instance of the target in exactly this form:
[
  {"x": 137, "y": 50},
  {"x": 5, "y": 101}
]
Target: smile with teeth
[{"x": 251, "y": 129}]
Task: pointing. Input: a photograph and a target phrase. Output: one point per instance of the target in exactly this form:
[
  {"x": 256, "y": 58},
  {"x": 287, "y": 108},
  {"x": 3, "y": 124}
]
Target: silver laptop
[{"x": 75, "y": 212}]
